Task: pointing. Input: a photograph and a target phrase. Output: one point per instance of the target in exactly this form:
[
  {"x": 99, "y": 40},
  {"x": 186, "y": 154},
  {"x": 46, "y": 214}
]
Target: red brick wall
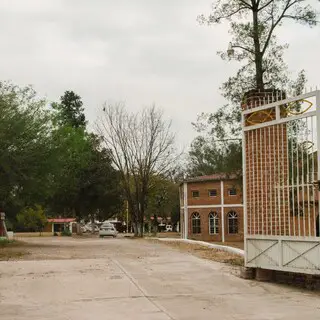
[
  {"x": 204, "y": 235},
  {"x": 205, "y": 200},
  {"x": 48, "y": 227},
  {"x": 229, "y": 184},
  {"x": 204, "y": 187}
]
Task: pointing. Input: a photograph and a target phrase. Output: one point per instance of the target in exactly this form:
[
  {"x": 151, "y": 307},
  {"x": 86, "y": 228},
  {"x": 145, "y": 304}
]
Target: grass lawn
[
  {"x": 11, "y": 250},
  {"x": 207, "y": 253},
  {"x": 32, "y": 234}
]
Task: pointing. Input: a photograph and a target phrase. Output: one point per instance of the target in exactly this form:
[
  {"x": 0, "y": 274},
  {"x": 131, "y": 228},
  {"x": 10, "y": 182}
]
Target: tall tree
[
  {"x": 253, "y": 26},
  {"x": 26, "y": 158},
  {"x": 70, "y": 110},
  {"x": 32, "y": 219},
  {"x": 99, "y": 184},
  {"x": 87, "y": 183},
  {"x": 163, "y": 199},
  {"x": 142, "y": 147}
]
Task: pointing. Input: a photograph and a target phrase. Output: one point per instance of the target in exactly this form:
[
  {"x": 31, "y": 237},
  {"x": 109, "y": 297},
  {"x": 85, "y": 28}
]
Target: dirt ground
[
  {"x": 207, "y": 253},
  {"x": 90, "y": 278}
]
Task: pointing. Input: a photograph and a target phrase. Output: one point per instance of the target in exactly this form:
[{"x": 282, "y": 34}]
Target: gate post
[
  {"x": 280, "y": 165},
  {"x": 258, "y": 161}
]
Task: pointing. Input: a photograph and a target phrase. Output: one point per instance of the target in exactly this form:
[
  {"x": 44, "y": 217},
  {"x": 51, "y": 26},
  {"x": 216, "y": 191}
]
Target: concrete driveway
[{"x": 84, "y": 279}]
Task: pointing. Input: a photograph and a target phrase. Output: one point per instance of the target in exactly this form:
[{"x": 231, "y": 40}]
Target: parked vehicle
[
  {"x": 88, "y": 228},
  {"x": 169, "y": 228},
  {"x": 107, "y": 230}
]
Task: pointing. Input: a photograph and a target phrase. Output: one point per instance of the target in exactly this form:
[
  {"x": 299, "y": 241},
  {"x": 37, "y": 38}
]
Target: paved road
[{"x": 136, "y": 279}]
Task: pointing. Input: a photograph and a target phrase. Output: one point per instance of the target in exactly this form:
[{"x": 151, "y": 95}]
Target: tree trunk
[
  {"x": 138, "y": 229},
  {"x": 257, "y": 51},
  {"x": 92, "y": 225}
]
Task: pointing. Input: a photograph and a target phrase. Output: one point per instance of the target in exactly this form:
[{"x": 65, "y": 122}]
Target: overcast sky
[{"x": 138, "y": 51}]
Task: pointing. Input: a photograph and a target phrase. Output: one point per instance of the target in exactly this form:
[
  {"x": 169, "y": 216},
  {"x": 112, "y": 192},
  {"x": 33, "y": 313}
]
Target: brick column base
[
  {"x": 264, "y": 274},
  {"x": 247, "y": 273}
]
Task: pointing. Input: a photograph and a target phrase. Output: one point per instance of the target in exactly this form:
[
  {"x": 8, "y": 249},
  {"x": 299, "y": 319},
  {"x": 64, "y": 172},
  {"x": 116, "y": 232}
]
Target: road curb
[{"x": 233, "y": 250}]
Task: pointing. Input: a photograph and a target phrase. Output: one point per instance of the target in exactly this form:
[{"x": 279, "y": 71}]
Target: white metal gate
[{"x": 281, "y": 178}]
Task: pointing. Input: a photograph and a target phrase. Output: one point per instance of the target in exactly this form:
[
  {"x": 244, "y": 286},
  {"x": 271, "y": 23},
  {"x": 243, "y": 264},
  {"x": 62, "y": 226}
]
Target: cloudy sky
[{"x": 138, "y": 51}]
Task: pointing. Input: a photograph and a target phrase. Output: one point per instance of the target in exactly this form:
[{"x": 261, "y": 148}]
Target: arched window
[
  {"x": 232, "y": 222},
  {"x": 213, "y": 223},
  {"x": 196, "y": 222}
]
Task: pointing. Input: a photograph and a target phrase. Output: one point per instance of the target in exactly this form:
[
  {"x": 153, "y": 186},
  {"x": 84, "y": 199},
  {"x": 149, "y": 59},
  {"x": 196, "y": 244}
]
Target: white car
[
  {"x": 107, "y": 230},
  {"x": 88, "y": 228}
]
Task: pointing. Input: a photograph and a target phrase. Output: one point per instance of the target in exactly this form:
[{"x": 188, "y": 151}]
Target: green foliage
[
  {"x": 4, "y": 242},
  {"x": 48, "y": 158},
  {"x": 26, "y": 154},
  {"x": 33, "y": 219},
  {"x": 87, "y": 184},
  {"x": 163, "y": 199},
  {"x": 207, "y": 156},
  {"x": 70, "y": 110},
  {"x": 66, "y": 233},
  {"x": 100, "y": 183}
]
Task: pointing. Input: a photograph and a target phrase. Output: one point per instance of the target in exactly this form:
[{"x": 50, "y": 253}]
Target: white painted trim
[
  {"x": 318, "y": 144},
  {"x": 298, "y": 248},
  {"x": 282, "y": 120},
  {"x": 236, "y": 205},
  {"x": 185, "y": 210},
  {"x": 244, "y": 183},
  {"x": 283, "y": 238},
  {"x": 222, "y": 210},
  {"x": 209, "y": 225},
  {"x": 281, "y": 102}
]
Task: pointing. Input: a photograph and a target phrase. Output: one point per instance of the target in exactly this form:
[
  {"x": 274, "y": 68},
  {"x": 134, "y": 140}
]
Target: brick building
[{"x": 212, "y": 208}]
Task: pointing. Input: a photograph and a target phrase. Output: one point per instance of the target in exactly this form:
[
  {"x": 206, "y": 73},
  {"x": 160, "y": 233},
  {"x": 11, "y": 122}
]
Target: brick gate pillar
[{"x": 266, "y": 167}]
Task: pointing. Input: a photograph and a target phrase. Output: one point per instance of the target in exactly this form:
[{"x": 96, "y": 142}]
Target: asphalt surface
[{"x": 84, "y": 279}]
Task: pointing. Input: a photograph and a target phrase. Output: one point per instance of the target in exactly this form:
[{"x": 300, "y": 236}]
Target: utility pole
[{"x": 127, "y": 212}]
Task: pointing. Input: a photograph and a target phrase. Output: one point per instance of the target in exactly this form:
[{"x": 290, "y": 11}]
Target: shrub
[
  {"x": 4, "y": 242},
  {"x": 32, "y": 218},
  {"x": 66, "y": 233}
]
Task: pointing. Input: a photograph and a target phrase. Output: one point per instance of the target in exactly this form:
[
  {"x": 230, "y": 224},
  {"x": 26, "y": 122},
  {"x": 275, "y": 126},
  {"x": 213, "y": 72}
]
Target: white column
[
  {"x": 222, "y": 209},
  {"x": 244, "y": 184},
  {"x": 185, "y": 209},
  {"x": 318, "y": 144}
]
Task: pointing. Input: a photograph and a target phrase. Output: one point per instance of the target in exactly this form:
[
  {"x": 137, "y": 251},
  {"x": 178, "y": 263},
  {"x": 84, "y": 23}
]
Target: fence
[{"x": 281, "y": 181}]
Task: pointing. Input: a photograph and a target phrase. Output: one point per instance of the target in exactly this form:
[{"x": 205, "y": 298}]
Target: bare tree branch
[{"x": 142, "y": 146}]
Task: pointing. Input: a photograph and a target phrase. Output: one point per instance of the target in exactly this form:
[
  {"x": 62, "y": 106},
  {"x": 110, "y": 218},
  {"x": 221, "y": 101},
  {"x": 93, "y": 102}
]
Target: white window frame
[
  {"x": 214, "y": 217},
  {"x": 233, "y": 215},
  {"x": 196, "y": 217}
]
